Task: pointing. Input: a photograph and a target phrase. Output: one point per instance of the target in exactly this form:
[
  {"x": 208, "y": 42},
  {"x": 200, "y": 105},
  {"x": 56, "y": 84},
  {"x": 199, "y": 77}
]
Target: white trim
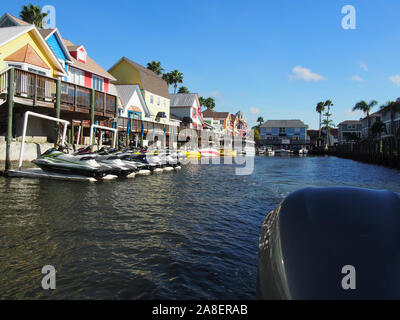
[
  {"x": 38, "y": 115},
  {"x": 93, "y": 126}
]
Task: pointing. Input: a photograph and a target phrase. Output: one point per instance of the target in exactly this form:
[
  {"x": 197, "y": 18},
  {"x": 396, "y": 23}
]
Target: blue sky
[{"x": 276, "y": 59}]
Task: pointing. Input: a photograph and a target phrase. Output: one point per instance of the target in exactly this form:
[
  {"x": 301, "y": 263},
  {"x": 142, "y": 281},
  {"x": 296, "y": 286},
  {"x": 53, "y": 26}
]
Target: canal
[{"x": 191, "y": 234}]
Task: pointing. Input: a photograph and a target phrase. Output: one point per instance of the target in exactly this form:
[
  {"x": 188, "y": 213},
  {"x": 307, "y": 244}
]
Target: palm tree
[
  {"x": 377, "y": 128},
  {"x": 167, "y": 78},
  {"x": 33, "y": 14},
  {"x": 366, "y": 108},
  {"x": 175, "y": 77},
  {"x": 329, "y": 104},
  {"x": 202, "y": 101},
  {"x": 209, "y": 103},
  {"x": 320, "y": 108},
  {"x": 260, "y": 121},
  {"x": 155, "y": 66},
  {"x": 183, "y": 90}
]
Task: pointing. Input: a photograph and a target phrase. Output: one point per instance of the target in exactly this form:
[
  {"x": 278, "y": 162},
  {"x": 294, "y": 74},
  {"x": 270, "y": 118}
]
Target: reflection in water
[{"x": 191, "y": 234}]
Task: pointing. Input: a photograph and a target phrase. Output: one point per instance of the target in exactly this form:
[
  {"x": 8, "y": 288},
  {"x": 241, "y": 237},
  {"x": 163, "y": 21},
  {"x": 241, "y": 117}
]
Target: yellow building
[
  {"x": 154, "y": 89},
  {"x": 22, "y": 47}
]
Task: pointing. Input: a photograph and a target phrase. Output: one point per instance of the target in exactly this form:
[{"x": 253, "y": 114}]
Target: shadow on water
[{"x": 191, "y": 234}]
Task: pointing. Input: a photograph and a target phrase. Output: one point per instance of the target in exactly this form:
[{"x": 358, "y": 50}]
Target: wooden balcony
[{"x": 36, "y": 90}]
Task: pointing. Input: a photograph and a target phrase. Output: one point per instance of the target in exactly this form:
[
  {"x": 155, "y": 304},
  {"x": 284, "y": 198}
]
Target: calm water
[{"x": 191, "y": 234}]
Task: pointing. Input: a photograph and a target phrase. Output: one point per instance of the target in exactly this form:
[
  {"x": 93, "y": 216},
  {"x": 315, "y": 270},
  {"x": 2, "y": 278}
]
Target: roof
[
  {"x": 28, "y": 55},
  {"x": 150, "y": 81},
  {"x": 16, "y": 21},
  {"x": 46, "y": 32},
  {"x": 373, "y": 115},
  {"x": 174, "y": 117},
  {"x": 10, "y": 33},
  {"x": 125, "y": 92},
  {"x": 209, "y": 113},
  {"x": 183, "y": 99},
  {"x": 350, "y": 122},
  {"x": 90, "y": 65},
  {"x": 284, "y": 124}
]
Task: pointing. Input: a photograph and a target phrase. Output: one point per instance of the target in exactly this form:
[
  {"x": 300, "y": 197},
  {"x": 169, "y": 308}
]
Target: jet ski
[
  {"x": 105, "y": 157},
  {"x": 331, "y": 244},
  {"x": 58, "y": 160}
]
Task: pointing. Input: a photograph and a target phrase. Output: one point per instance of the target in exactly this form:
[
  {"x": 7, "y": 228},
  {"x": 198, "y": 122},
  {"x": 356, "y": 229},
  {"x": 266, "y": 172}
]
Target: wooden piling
[{"x": 10, "y": 104}]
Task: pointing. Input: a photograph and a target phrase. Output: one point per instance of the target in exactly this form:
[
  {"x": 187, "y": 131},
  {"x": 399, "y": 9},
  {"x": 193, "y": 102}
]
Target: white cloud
[
  {"x": 305, "y": 74},
  {"x": 216, "y": 94},
  {"x": 255, "y": 111},
  {"x": 395, "y": 79},
  {"x": 363, "y": 66},
  {"x": 356, "y": 78}
]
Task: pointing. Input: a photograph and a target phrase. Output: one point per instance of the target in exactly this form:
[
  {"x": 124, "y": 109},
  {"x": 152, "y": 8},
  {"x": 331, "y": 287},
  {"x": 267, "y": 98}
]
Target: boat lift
[
  {"x": 39, "y": 173},
  {"x": 96, "y": 126}
]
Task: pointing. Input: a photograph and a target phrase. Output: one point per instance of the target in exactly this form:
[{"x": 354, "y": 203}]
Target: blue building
[{"x": 284, "y": 133}]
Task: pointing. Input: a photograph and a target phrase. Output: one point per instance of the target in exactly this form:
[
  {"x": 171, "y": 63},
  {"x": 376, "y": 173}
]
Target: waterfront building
[
  {"x": 374, "y": 117},
  {"x": 390, "y": 119},
  {"x": 283, "y": 133},
  {"x": 187, "y": 107},
  {"x": 154, "y": 89},
  {"x": 82, "y": 77},
  {"x": 220, "y": 122},
  {"x": 240, "y": 128},
  {"x": 350, "y": 131}
]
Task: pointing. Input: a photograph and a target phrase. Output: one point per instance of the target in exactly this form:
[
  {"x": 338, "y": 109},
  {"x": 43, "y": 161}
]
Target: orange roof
[
  {"x": 134, "y": 108},
  {"x": 28, "y": 55}
]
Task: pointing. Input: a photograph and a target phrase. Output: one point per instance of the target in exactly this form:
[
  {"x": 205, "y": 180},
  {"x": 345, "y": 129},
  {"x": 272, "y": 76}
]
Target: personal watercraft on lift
[
  {"x": 103, "y": 156},
  {"x": 58, "y": 160}
]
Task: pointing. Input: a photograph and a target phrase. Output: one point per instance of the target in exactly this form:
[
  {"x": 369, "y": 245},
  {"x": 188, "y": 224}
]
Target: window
[
  {"x": 18, "y": 66},
  {"x": 282, "y": 130},
  {"x": 76, "y": 76},
  {"x": 97, "y": 83},
  {"x": 151, "y": 99},
  {"x": 37, "y": 71},
  {"x": 165, "y": 103},
  {"x": 222, "y": 122},
  {"x": 158, "y": 101}
]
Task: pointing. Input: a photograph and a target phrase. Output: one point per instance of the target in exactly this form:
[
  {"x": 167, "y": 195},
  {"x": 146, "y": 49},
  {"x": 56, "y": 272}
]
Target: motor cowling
[{"x": 331, "y": 243}]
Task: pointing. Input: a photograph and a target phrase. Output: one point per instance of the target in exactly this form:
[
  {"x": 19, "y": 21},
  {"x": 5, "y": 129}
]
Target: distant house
[
  {"x": 154, "y": 89},
  {"x": 240, "y": 128},
  {"x": 220, "y": 121},
  {"x": 283, "y": 132},
  {"x": 350, "y": 131},
  {"x": 386, "y": 118},
  {"x": 187, "y": 107},
  {"x": 374, "y": 117}
]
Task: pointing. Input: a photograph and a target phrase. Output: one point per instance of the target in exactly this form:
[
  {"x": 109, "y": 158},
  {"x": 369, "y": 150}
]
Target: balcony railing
[{"x": 74, "y": 98}]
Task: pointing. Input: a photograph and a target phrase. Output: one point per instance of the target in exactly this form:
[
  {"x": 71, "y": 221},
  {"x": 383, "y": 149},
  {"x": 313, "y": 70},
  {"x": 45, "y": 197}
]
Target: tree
[
  {"x": 377, "y": 128},
  {"x": 320, "y": 108},
  {"x": 183, "y": 90},
  {"x": 260, "y": 121},
  {"x": 33, "y": 14},
  {"x": 329, "y": 104},
  {"x": 155, "y": 66},
  {"x": 366, "y": 108},
  {"x": 202, "y": 101},
  {"x": 173, "y": 77},
  {"x": 209, "y": 103}
]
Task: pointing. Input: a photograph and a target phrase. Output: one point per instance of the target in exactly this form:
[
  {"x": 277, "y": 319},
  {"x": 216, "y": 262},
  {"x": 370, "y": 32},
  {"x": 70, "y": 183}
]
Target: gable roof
[
  {"x": 284, "y": 124},
  {"x": 150, "y": 81},
  {"x": 183, "y": 99},
  {"x": 350, "y": 122},
  {"x": 47, "y": 33},
  {"x": 8, "y": 34},
  {"x": 8, "y": 20},
  {"x": 125, "y": 92},
  {"x": 28, "y": 55},
  {"x": 90, "y": 65},
  {"x": 209, "y": 113}
]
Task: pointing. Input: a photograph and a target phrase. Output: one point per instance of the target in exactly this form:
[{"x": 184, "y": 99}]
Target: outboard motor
[{"x": 331, "y": 243}]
